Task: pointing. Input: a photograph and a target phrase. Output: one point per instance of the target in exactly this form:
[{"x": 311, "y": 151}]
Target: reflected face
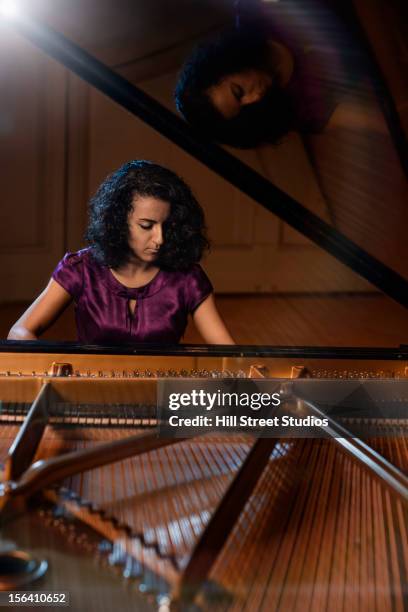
[
  {"x": 145, "y": 222},
  {"x": 238, "y": 90}
]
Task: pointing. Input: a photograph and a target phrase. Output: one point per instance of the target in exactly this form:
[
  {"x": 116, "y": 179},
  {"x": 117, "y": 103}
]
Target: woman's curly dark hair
[
  {"x": 230, "y": 52},
  {"x": 108, "y": 231}
]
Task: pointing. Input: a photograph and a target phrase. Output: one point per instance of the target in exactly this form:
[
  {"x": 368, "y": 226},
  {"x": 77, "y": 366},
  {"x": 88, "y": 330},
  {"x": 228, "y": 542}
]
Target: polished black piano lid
[{"x": 218, "y": 350}]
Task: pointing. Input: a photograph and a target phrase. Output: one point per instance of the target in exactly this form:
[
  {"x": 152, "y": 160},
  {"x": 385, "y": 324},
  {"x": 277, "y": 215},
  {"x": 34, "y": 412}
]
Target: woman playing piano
[{"x": 139, "y": 279}]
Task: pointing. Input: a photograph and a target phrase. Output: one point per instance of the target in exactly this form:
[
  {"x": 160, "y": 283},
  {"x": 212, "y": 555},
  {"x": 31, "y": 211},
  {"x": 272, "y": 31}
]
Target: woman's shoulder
[
  {"x": 81, "y": 261},
  {"x": 76, "y": 258},
  {"x": 69, "y": 272}
]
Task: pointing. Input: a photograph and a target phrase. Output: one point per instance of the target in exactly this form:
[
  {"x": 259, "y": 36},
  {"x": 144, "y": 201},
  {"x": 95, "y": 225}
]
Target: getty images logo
[{"x": 221, "y": 399}]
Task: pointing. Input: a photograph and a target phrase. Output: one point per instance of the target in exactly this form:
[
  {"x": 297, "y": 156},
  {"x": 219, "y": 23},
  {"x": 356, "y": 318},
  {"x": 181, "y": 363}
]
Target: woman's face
[
  {"x": 145, "y": 224},
  {"x": 237, "y": 90}
]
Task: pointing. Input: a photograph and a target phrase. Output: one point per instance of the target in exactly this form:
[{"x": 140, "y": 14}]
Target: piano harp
[{"x": 222, "y": 520}]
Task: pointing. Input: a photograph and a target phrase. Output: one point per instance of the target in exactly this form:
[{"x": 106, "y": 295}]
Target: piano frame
[{"x": 29, "y": 486}]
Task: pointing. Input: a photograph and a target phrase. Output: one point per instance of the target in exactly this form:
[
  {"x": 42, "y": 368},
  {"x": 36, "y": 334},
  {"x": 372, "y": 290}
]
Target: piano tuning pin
[
  {"x": 163, "y": 603},
  {"x": 105, "y": 546},
  {"x": 58, "y": 512},
  {"x": 133, "y": 568},
  {"x": 150, "y": 584},
  {"x": 118, "y": 555},
  {"x": 71, "y": 494}
]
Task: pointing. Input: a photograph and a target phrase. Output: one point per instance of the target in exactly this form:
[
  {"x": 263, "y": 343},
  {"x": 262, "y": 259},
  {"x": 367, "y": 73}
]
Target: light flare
[{"x": 9, "y": 9}]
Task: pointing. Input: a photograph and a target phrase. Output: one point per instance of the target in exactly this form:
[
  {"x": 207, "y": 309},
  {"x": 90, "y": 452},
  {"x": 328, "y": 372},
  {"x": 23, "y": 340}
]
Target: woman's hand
[
  {"x": 209, "y": 323},
  {"x": 41, "y": 314}
]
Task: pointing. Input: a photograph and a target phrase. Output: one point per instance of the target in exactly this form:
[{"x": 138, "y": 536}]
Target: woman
[
  {"x": 139, "y": 279},
  {"x": 285, "y": 67}
]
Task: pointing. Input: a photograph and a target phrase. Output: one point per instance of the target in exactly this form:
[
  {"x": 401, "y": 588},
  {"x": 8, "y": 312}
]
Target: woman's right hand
[{"x": 41, "y": 314}]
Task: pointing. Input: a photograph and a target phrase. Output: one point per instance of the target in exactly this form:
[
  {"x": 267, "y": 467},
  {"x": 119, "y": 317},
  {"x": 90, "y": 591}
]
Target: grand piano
[{"x": 96, "y": 504}]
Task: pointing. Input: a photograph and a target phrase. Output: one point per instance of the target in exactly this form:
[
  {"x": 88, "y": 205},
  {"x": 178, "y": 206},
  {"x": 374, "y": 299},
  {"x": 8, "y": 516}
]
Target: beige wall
[{"x": 32, "y": 167}]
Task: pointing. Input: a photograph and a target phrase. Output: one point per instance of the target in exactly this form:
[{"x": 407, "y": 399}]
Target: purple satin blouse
[{"x": 102, "y": 302}]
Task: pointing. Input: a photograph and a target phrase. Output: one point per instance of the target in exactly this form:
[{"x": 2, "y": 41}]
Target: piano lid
[{"x": 356, "y": 224}]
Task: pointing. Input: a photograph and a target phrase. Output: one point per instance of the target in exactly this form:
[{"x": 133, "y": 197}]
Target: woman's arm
[
  {"x": 41, "y": 314},
  {"x": 209, "y": 323},
  {"x": 354, "y": 115}
]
